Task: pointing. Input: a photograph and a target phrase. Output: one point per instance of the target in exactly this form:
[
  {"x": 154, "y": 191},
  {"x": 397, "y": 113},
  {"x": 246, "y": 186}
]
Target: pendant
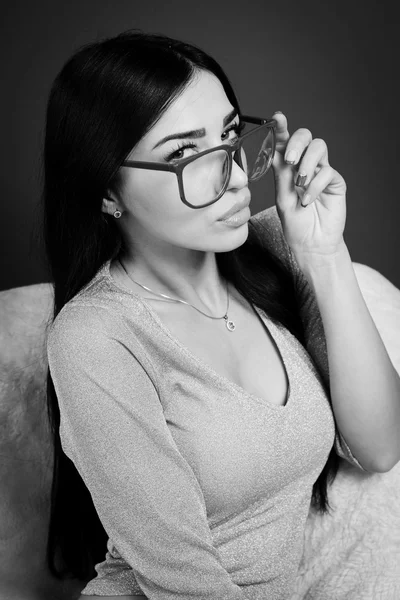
[{"x": 229, "y": 324}]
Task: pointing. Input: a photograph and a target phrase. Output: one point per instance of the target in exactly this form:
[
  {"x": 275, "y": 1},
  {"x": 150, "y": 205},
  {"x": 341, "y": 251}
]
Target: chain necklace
[{"x": 229, "y": 324}]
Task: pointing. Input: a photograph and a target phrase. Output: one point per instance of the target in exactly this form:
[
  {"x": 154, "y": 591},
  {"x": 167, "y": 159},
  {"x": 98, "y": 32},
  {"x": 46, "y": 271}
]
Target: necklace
[{"x": 230, "y": 325}]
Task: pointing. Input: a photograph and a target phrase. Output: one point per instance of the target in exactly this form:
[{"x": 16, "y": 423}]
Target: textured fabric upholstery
[{"x": 25, "y": 450}]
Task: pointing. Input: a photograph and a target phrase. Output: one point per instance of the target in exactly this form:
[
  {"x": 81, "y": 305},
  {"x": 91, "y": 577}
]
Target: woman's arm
[
  {"x": 315, "y": 333},
  {"x": 364, "y": 385},
  {"x": 146, "y": 494},
  {"x": 365, "y": 388}
]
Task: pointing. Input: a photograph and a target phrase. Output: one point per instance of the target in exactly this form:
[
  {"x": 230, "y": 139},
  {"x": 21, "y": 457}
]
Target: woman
[{"x": 194, "y": 447}]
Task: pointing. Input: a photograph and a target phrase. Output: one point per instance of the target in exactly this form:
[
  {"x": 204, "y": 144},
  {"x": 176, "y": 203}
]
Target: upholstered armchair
[
  {"x": 26, "y": 456},
  {"x": 26, "y": 467}
]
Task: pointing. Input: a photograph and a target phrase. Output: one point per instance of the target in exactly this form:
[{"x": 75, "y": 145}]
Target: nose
[{"x": 238, "y": 178}]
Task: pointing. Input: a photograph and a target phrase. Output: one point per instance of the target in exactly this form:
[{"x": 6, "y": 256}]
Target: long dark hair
[{"x": 103, "y": 101}]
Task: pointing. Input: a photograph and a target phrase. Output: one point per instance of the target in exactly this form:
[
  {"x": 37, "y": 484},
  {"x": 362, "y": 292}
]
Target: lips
[{"x": 235, "y": 209}]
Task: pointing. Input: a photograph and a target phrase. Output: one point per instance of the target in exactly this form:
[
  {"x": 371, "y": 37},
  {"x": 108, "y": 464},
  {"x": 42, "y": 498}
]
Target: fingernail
[
  {"x": 278, "y": 112},
  {"x": 306, "y": 200},
  {"x": 301, "y": 179},
  {"x": 291, "y": 157}
]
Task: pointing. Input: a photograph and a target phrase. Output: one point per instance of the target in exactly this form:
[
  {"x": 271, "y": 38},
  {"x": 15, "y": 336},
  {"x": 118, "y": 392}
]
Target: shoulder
[
  {"x": 269, "y": 233},
  {"x": 268, "y": 217},
  {"x": 79, "y": 333},
  {"x": 78, "y": 320},
  {"x": 94, "y": 335},
  {"x": 268, "y": 225},
  {"x": 97, "y": 313}
]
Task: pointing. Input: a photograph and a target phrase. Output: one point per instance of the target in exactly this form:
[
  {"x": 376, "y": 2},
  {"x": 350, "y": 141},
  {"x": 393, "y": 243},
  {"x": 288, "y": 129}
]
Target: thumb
[{"x": 285, "y": 191}]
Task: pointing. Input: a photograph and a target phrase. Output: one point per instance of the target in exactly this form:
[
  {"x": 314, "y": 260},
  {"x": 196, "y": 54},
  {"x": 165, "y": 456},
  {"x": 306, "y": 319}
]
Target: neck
[{"x": 194, "y": 278}]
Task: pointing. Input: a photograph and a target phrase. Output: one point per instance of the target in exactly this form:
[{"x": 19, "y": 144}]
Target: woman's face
[{"x": 150, "y": 200}]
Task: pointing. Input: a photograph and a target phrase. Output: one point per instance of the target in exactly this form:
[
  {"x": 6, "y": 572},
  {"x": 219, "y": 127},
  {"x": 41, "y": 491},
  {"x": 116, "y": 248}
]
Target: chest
[
  {"x": 243, "y": 449},
  {"x": 240, "y": 448},
  {"x": 248, "y": 356}
]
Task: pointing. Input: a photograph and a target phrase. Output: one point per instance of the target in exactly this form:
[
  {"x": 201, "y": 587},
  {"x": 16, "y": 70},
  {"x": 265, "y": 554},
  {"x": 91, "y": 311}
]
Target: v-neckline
[{"x": 263, "y": 317}]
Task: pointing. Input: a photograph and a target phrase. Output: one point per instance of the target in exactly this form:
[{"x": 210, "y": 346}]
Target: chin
[{"x": 233, "y": 238}]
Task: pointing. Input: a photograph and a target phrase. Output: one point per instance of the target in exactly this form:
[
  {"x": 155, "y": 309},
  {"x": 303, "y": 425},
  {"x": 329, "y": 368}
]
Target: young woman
[{"x": 207, "y": 367}]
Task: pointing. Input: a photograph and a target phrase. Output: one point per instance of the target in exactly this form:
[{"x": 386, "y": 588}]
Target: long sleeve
[
  {"x": 310, "y": 315},
  {"x": 114, "y": 430}
]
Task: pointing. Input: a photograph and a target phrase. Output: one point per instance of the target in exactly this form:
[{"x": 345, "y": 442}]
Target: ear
[{"x": 109, "y": 205}]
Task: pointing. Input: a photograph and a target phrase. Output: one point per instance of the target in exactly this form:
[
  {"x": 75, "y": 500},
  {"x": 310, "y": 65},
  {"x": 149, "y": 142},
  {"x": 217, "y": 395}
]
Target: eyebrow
[{"x": 195, "y": 133}]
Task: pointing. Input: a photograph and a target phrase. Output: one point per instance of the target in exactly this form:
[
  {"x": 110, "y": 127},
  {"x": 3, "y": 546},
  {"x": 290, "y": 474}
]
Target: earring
[{"x": 117, "y": 214}]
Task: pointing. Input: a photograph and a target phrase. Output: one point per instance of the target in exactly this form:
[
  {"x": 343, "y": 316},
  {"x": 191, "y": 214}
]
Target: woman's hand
[{"x": 316, "y": 231}]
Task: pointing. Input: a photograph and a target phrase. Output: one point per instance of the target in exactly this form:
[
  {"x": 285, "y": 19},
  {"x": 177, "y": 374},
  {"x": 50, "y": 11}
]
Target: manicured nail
[
  {"x": 306, "y": 200},
  {"x": 301, "y": 179},
  {"x": 291, "y": 157}
]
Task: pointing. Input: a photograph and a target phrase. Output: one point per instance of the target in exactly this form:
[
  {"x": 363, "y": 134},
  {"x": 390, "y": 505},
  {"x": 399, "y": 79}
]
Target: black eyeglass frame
[{"x": 229, "y": 148}]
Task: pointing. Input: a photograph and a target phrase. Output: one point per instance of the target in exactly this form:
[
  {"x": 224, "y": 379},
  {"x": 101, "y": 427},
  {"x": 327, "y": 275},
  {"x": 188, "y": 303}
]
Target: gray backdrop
[{"x": 330, "y": 67}]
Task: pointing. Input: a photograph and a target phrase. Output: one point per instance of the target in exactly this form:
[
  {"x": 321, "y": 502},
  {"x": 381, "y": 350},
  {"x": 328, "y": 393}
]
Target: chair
[{"x": 26, "y": 456}]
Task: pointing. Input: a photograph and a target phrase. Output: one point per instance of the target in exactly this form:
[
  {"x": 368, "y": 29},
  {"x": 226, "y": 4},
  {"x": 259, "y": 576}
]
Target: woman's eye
[
  {"x": 178, "y": 154},
  {"x": 236, "y": 128}
]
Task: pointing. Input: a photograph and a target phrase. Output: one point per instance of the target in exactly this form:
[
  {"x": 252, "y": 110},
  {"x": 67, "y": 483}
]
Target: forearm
[{"x": 364, "y": 386}]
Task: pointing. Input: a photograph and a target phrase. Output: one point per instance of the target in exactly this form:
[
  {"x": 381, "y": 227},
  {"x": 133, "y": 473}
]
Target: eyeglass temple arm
[{"x": 258, "y": 120}]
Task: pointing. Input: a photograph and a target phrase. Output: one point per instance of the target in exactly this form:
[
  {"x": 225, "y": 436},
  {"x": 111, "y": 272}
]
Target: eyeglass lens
[{"x": 204, "y": 178}]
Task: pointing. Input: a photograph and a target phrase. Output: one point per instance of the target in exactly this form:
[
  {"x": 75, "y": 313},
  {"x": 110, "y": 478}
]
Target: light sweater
[{"x": 202, "y": 487}]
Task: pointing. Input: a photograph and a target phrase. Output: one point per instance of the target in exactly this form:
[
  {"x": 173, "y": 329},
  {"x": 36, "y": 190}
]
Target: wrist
[{"x": 324, "y": 269}]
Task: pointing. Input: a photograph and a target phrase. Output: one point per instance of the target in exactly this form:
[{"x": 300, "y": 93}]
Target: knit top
[{"x": 202, "y": 487}]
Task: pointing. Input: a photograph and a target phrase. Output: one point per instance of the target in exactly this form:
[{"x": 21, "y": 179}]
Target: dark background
[{"x": 329, "y": 66}]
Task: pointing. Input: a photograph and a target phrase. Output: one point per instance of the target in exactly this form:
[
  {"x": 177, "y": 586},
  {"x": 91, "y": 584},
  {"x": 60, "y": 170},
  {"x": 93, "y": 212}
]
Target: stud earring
[{"x": 117, "y": 214}]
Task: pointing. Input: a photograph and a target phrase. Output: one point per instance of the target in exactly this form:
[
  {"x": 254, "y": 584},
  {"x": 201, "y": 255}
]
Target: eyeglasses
[{"x": 204, "y": 177}]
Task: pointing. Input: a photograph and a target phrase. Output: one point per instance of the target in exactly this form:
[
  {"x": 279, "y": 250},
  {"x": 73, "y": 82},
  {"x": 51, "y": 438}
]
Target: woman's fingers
[
  {"x": 297, "y": 145},
  {"x": 315, "y": 155},
  {"x": 286, "y": 194},
  {"x": 303, "y": 162},
  {"x": 281, "y": 131},
  {"x": 326, "y": 181}
]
